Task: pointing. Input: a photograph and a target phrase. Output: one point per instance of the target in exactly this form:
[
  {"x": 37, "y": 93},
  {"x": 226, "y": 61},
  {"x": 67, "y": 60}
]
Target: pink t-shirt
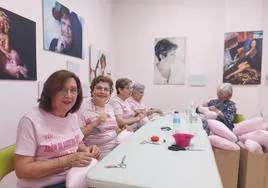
[
  {"x": 135, "y": 105},
  {"x": 44, "y": 136},
  {"x": 104, "y": 136},
  {"x": 123, "y": 108}
]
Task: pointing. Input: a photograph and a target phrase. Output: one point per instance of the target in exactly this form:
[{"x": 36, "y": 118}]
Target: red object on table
[
  {"x": 182, "y": 139},
  {"x": 154, "y": 138}
]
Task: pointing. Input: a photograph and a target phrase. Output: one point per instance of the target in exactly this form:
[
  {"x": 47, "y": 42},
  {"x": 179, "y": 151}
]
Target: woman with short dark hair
[
  {"x": 125, "y": 116},
  {"x": 49, "y": 139}
]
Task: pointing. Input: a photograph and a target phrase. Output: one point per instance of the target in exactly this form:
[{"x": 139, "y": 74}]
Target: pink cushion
[
  {"x": 241, "y": 144},
  {"x": 220, "y": 129},
  {"x": 211, "y": 115},
  {"x": 76, "y": 176},
  {"x": 207, "y": 113},
  {"x": 124, "y": 135},
  {"x": 253, "y": 146},
  {"x": 203, "y": 109},
  {"x": 250, "y": 125},
  {"x": 260, "y": 136},
  {"x": 222, "y": 143}
]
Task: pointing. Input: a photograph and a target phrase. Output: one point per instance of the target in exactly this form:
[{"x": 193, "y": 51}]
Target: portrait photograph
[
  {"x": 99, "y": 63},
  {"x": 243, "y": 57},
  {"x": 63, "y": 29},
  {"x": 169, "y": 61},
  {"x": 17, "y": 47}
]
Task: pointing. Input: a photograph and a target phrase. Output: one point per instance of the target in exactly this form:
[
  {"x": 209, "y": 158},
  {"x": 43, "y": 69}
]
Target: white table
[{"x": 155, "y": 166}]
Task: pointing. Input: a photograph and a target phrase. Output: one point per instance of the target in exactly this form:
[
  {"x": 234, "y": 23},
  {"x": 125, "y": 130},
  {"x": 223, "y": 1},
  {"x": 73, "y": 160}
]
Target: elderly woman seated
[
  {"x": 97, "y": 119},
  {"x": 137, "y": 103},
  {"x": 223, "y": 106},
  {"x": 125, "y": 116}
]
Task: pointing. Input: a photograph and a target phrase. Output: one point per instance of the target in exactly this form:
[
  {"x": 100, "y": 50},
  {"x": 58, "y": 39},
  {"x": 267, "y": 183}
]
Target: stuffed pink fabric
[
  {"x": 222, "y": 143},
  {"x": 211, "y": 115},
  {"x": 76, "y": 176},
  {"x": 203, "y": 109},
  {"x": 250, "y": 125},
  {"x": 218, "y": 128},
  {"x": 207, "y": 113},
  {"x": 124, "y": 135},
  {"x": 260, "y": 136},
  {"x": 253, "y": 146},
  {"x": 241, "y": 144}
]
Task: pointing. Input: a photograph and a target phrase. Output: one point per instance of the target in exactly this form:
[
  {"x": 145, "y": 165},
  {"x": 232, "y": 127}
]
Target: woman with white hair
[
  {"x": 137, "y": 103},
  {"x": 223, "y": 106}
]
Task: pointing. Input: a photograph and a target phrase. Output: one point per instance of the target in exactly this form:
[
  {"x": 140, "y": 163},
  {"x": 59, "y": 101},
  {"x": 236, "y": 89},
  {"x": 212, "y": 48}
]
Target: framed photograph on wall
[
  {"x": 18, "y": 47},
  {"x": 63, "y": 29},
  {"x": 99, "y": 63},
  {"x": 169, "y": 60},
  {"x": 243, "y": 57},
  {"x": 73, "y": 67}
]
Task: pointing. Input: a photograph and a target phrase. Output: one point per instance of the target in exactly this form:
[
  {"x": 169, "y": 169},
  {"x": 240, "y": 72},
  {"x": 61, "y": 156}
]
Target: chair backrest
[
  {"x": 238, "y": 118},
  {"x": 6, "y": 160}
]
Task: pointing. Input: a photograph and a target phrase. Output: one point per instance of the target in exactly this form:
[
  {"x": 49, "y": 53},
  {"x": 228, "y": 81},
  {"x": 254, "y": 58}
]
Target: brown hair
[
  {"x": 6, "y": 21},
  {"x": 99, "y": 79},
  {"x": 59, "y": 11},
  {"x": 54, "y": 84},
  {"x": 121, "y": 83}
]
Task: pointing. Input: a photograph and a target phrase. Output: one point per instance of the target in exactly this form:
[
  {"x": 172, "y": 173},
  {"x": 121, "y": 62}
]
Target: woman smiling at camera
[
  {"x": 49, "y": 139},
  {"x": 97, "y": 119}
]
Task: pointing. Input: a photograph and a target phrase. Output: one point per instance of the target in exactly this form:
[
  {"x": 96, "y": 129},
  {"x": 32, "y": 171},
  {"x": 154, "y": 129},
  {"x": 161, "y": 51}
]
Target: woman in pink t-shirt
[
  {"x": 49, "y": 139},
  {"x": 137, "y": 104},
  {"x": 97, "y": 118},
  {"x": 125, "y": 116}
]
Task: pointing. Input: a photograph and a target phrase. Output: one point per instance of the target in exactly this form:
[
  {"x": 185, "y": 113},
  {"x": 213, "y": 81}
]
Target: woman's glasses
[
  {"x": 99, "y": 88},
  {"x": 65, "y": 91}
]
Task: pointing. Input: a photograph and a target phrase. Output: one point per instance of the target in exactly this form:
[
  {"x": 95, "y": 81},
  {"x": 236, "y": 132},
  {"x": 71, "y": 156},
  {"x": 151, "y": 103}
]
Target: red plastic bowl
[{"x": 182, "y": 139}]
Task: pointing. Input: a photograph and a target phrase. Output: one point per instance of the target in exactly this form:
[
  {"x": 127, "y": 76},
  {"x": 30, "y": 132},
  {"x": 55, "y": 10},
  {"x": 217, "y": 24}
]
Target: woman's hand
[
  {"x": 94, "y": 151},
  {"x": 212, "y": 108},
  {"x": 128, "y": 128},
  {"x": 141, "y": 116},
  {"x": 61, "y": 45},
  {"x": 79, "y": 159},
  {"x": 102, "y": 118}
]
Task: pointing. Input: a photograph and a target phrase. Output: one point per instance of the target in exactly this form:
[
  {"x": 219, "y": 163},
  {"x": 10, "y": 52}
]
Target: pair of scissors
[
  {"x": 120, "y": 165},
  {"x": 147, "y": 142},
  {"x": 178, "y": 148},
  {"x": 165, "y": 128}
]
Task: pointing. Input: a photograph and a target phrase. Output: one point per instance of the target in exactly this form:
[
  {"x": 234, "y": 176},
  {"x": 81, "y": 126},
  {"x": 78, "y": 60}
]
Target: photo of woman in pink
[{"x": 12, "y": 64}]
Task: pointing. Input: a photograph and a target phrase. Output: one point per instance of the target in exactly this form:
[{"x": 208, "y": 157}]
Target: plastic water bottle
[{"x": 176, "y": 121}]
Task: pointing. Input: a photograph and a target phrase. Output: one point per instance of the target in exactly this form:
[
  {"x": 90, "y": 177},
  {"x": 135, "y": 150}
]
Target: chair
[
  {"x": 238, "y": 118},
  {"x": 6, "y": 160}
]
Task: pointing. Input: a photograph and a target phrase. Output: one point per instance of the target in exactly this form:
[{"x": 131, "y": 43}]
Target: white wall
[
  {"x": 137, "y": 22},
  {"x": 17, "y": 97},
  {"x": 126, "y": 29}
]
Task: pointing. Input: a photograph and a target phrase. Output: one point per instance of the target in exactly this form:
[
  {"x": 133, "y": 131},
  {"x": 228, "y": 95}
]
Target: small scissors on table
[{"x": 120, "y": 165}]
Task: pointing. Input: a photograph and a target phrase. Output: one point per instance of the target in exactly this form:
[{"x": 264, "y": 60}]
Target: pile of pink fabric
[
  {"x": 207, "y": 114},
  {"x": 221, "y": 136},
  {"x": 252, "y": 134}
]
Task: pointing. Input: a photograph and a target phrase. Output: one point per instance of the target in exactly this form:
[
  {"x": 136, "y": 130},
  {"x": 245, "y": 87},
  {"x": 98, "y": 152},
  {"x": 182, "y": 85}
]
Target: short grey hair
[
  {"x": 138, "y": 87},
  {"x": 226, "y": 88}
]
